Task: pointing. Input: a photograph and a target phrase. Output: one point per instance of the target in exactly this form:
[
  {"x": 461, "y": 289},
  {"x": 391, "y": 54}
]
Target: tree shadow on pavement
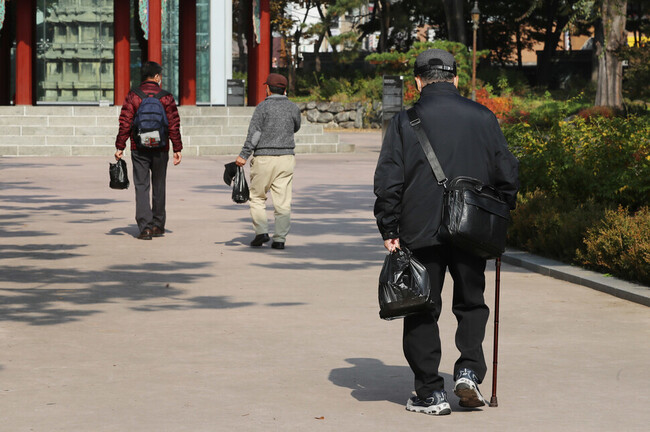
[{"x": 61, "y": 295}]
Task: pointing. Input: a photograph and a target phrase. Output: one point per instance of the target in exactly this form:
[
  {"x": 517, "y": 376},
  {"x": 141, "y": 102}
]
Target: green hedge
[{"x": 585, "y": 187}]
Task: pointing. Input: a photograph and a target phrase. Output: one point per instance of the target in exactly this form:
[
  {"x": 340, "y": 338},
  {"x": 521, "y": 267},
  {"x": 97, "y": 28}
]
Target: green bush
[
  {"x": 600, "y": 159},
  {"x": 571, "y": 172},
  {"x": 551, "y": 226},
  {"x": 620, "y": 245}
]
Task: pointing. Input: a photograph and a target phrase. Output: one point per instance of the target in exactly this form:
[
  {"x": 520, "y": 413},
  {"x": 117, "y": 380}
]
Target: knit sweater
[{"x": 270, "y": 132}]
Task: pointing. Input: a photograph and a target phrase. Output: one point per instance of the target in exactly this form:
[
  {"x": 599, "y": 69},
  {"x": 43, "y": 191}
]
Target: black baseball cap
[{"x": 434, "y": 59}]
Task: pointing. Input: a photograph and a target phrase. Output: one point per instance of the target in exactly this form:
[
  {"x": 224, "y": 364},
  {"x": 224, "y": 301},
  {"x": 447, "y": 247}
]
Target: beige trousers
[{"x": 274, "y": 173}]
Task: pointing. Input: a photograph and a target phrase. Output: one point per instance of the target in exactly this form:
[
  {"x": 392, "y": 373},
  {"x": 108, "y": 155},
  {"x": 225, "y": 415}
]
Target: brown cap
[{"x": 276, "y": 80}]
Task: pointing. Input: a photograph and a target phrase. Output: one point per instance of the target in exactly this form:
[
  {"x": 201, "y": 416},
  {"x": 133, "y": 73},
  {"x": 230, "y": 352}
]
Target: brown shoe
[
  {"x": 157, "y": 232},
  {"x": 146, "y": 234}
]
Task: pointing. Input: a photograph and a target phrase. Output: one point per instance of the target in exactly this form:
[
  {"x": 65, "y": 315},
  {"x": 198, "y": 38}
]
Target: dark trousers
[
  {"x": 421, "y": 335},
  {"x": 149, "y": 172}
]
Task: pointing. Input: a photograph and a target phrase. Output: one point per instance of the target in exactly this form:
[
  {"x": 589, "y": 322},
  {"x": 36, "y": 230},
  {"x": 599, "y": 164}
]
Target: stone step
[{"x": 91, "y": 131}]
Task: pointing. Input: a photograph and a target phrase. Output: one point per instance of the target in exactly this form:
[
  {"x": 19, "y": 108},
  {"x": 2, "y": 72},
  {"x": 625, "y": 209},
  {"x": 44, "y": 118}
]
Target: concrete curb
[{"x": 558, "y": 270}]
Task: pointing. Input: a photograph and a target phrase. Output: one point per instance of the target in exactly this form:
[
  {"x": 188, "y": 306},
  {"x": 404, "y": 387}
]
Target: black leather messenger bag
[{"x": 475, "y": 216}]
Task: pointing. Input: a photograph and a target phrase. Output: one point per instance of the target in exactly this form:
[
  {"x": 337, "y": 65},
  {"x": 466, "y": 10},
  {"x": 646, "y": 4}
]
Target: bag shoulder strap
[
  {"x": 415, "y": 122},
  {"x": 161, "y": 94}
]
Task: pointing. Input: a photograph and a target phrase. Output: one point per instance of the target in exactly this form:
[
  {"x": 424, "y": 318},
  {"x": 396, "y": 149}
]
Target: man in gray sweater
[{"x": 270, "y": 140}]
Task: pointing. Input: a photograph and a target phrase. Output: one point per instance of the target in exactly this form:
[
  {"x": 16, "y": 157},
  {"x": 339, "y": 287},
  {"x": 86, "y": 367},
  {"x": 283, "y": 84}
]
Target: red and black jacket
[{"x": 130, "y": 107}]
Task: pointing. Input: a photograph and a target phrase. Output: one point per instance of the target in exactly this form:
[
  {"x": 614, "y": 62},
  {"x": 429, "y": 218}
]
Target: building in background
[{"x": 89, "y": 52}]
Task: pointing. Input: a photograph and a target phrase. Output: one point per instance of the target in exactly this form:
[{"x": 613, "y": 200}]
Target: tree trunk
[
  {"x": 554, "y": 25},
  {"x": 455, "y": 20},
  {"x": 520, "y": 63},
  {"x": 610, "y": 38}
]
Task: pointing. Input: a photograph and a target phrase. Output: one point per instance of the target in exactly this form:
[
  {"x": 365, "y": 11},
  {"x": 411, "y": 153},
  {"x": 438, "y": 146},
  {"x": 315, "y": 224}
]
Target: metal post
[
  {"x": 497, "y": 287},
  {"x": 476, "y": 15}
]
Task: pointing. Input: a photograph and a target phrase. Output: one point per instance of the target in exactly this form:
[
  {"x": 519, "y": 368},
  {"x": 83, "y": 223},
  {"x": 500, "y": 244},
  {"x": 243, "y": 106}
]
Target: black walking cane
[{"x": 497, "y": 286}]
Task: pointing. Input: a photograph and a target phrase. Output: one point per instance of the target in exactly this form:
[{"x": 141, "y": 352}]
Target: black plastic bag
[
  {"x": 240, "y": 192},
  {"x": 403, "y": 286},
  {"x": 118, "y": 174},
  {"x": 229, "y": 172}
]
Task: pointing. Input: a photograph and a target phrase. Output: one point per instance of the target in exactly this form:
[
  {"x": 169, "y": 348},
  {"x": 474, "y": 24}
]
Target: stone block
[
  {"x": 341, "y": 117},
  {"x": 345, "y": 148},
  {"x": 304, "y": 139},
  {"x": 107, "y": 121},
  {"x": 231, "y": 140},
  {"x": 189, "y": 111},
  {"x": 109, "y": 111},
  {"x": 203, "y": 141},
  {"x": 325, "y": 117},
  {"x": 239, "y": 121},
  {"x": 310, "y": 105},
  {"x": 312, "y": 115},
  {"x": 241, "y": 131},
  {"x": 336, "y": 107},
  {"x": 44, "y": 111},
  {"x": 107, "y": 151},
  {"x": 8, "y": 131},
  {"x": 323, "y": 148},
  {"x": 201, "y": 130},
  {"x": 23, "y": 121},
  {"x": 219, "y": 150},
  {"x": 12, "y": 110},
  {"x": 241, "y": 111},
  {"x": 96, "y": 130},
  {"x": 190, "y": 151},
  {"x": 28, "y": 150},
  {"x": 218, "y": 111},
  {"x": 328, "y": 138},
  {"x": 69, "y": 141},
  {"x": 303, "y": 149},
  {"x": 8, "y": 150},
  {"x": 24, "y": 140},
  {"x": 310, "y": 129},
  {"x": 48, "y": 130},
  {"x": 208, "y": 121},
  {"x": 323, "y": 106},
  {"x": 107, "y": 141},
  {"x": 74, "y": 121}
]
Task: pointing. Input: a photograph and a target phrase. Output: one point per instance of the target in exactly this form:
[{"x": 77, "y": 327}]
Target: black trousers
[
  {"x": 421, "y": 340},
  {"x": 150, "y": 173}
]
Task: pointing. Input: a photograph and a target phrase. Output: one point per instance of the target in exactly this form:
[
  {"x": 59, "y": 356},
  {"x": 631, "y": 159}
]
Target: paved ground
[{"x": 198, "y": 332}]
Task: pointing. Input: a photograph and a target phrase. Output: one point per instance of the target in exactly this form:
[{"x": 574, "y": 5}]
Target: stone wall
[
  {"x": 354, "y": 115},
  {"x": 333, "y": 114}
]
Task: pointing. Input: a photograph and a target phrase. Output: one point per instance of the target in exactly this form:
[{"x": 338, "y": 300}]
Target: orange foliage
[{"x": 501, "y": 106}]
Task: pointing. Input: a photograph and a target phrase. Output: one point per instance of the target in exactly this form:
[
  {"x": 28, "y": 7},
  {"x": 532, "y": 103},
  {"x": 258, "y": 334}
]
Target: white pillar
[{"x": 220, "y": 49}]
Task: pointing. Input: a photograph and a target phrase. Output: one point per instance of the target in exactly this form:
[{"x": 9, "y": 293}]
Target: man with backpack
[{"x": 149, "y": 118}]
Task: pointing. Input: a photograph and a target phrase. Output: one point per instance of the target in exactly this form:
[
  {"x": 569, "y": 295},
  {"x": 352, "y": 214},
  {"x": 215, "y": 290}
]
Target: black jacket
[{"x": 467, "y": 140}]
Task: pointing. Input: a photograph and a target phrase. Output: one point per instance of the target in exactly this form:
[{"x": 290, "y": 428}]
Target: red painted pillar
[
  {"x": 122, "y": 65},
  {"x": 25, "y": 19},
  {"x": 259, "y": 57},
  {"x": 187, "y": 67},
  {"x": 155, "y": 31}
]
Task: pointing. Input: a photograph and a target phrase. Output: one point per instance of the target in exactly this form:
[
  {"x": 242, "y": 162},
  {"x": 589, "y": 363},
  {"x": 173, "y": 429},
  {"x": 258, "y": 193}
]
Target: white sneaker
[
  {"x": 466, "y": 388},
  {"x": 436, "y": 404}
]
